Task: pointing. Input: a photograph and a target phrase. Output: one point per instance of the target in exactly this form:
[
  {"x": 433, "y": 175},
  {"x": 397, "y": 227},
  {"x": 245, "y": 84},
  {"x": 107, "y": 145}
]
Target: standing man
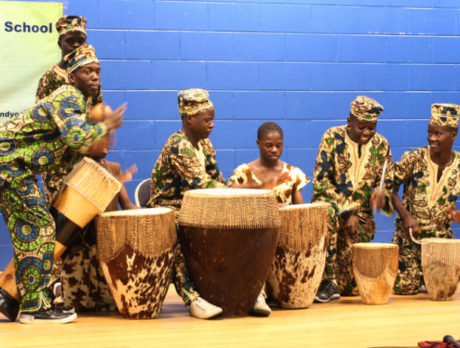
[
  {"x": 34, "y": 142},
  {"x": 430, "y": 177},
  {"x": 347, "y": 175}
]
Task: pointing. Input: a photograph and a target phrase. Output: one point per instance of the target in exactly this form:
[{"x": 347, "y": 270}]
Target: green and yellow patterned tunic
[
  {"x": 345, "y": 175},
  {"x": 426, "y": 199}
]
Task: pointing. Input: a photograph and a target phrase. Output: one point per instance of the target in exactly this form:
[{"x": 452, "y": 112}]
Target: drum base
[
  {"x": 295, "y": 276},
  {"x": 139, "y": 283},
  {"x": 441, "y": 280},
  {"x": 229, "y": 266}
]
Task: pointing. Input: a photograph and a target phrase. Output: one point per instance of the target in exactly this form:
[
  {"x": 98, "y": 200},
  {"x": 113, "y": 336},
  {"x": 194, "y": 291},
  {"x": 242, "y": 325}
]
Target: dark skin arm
[
  {"x": 406, "y": 217},
  {"x": 124, "y": 201}
]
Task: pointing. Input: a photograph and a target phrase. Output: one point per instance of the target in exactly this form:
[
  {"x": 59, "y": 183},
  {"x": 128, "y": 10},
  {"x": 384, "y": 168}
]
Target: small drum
[
  {"x": 136, "y": 254},
  {"x": 300, "y": 256},
  {"x": 89, "y": 189},
  {"x": 441, "y": 267},
  {"x": 229, "y": 238},
  {"x": 375, "y": 266}
]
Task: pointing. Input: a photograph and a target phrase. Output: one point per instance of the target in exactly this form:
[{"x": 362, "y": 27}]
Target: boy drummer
[{"x": 348, "y": 168}]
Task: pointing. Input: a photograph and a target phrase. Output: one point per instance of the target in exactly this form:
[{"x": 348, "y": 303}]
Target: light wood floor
[{"x": 403, "y": 322}]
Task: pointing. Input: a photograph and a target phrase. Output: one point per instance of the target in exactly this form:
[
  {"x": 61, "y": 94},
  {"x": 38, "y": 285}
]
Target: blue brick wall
[{"x": 297, "y": 62}]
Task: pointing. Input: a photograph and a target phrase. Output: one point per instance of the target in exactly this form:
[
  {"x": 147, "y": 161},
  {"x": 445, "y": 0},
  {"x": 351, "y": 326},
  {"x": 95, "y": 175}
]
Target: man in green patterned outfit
[
  {"x": 431, "y": 179},
  {"x": 188, "y": 161},
  {"x": 34, "y": 142},
  {"x": 347, "y": 175}
]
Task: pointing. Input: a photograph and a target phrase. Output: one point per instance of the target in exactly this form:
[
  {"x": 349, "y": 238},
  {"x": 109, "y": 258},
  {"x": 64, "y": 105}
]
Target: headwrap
[
  {"x": 82, "y": 55},
  {"x": 67, "y": 24},
  {"x": 445, "y": 115},
  {"x": 191, "y": 101},
  {"x": 366, "y": 109}
]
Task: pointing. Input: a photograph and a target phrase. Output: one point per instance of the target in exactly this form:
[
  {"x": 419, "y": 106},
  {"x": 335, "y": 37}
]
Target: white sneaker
[
  {"x": 47, "y": 316},
  {"x": 261, "y": 307},
  {"x": 202, "y": 309}
]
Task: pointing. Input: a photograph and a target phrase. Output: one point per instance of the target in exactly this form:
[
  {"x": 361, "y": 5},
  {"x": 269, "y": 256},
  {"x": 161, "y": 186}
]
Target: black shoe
[
  {"x": 9, "y": 306},
  {"x": 64, "y": 309},
  {"x": 327, "y": 291},
  {"x": 51, "y": 315}
]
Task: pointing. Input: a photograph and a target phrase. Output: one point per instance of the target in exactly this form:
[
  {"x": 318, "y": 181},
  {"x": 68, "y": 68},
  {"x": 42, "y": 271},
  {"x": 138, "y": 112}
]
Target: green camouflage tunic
[
  {"x": 426, "y": 199},
  {"x": 345, "y": 175}
]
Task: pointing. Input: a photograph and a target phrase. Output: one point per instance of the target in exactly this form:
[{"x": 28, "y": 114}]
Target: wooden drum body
[
  {"x": 441, "y": 267},
  {"x": 375, "y": 266},
  {"x": 300, "y": 256},
  {"x": 136, "y": 254},
  {"x": 89, "y": 189},
  {"x": 229, "y": 238}
]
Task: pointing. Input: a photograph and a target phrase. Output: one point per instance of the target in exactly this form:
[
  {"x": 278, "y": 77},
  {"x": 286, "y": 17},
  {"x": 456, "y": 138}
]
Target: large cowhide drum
[
  {"x": 136, "y": 254},
  {"x": 441, "y": 267},
  {"x": 300, "y": 256},
  {"x": 229, "y": 238},
  {"x": 375, "y": 266}
]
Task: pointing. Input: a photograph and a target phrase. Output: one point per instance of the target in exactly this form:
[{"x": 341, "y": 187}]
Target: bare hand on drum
[
  {"x": 453, "y": 214},
  {"x": 377, "y": 199},
  {"x": 128, "y": 174},
  {"x": 410, "y": 223},
  {"x": 114, "y": 119},
  {"x": 351, "y": 227}
]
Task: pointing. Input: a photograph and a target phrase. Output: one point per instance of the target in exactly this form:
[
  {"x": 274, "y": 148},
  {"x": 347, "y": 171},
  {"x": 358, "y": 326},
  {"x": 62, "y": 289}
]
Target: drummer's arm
[
  {"x": 190, "y": 169},
  {"x": 297, "y": 198},
  {"x": 124, "y": 201}
]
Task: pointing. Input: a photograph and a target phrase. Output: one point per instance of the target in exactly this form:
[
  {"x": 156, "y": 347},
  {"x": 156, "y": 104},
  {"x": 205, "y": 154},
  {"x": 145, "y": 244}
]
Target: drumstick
[
  {"x": 383, "y": 174},
  {"x": 423, "y": 228}
]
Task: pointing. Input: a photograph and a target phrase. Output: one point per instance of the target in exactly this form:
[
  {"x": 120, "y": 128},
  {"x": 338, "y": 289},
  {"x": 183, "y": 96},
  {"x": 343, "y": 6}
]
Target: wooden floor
[{"x": 403, "y": 322}]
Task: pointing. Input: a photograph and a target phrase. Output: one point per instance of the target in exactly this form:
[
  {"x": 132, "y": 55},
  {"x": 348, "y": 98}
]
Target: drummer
[
  {"x": 347, "y": 174},
  {"x": 430, "y": 176},
  {"x": 188, "y": 161},
  {"x": 34, "y": 142},
  {"x": 287, "y": 180}
]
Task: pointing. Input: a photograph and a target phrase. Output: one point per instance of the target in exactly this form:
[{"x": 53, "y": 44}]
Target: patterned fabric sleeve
[
  {"x": 323, "y": 176},
  {"x": 299, "y": 178},
  {"x": 242, "y": 175},
  {"x": 388, "y": 208},
  {"x": 211, "y": 164},
  {"x": 403, "y": 169},
  {"x": 69, "y": 117}
]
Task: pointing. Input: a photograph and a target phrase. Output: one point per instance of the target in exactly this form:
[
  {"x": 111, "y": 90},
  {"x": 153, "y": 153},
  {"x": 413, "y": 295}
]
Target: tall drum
[
  {"x": 229, "y": 238},
  {"x": 441, "y": 267},
  {"x": 136, "y": 254},
  {"x": 300, "y": 255},
  {"x": 375, "y": 266}
]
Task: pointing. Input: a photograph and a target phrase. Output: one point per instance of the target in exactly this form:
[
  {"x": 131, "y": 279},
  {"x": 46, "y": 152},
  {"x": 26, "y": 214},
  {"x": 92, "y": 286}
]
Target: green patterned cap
[
  {"x": 71, "y": 23},
  {"x": 191, "y": 101},
  {"x": 445, "y": 115},
  {"x": 366, "y": 109},
  {"x": 82, "y": 55}
]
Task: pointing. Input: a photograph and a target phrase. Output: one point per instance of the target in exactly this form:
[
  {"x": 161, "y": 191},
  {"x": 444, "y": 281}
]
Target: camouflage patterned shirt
[
  {"x": 37, "y": 140},
  {"x": 295, "y": 181},
  {"x": 56, "y": 77},
  {"x": 346, "y": 172},
  {"x": 425, "y": 197},
  {"x": 181, "y": 167}
]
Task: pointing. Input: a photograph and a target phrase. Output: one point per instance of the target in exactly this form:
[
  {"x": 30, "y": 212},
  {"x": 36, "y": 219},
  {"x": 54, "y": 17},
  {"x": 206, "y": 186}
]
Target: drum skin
[
  {"x": 300, "y": 256},
  {"x": 229, "y": 266},
  {"x": 136, "y": 252},
  {"x": 375, "y": 266},
  {"x": 441, "y": 267}
]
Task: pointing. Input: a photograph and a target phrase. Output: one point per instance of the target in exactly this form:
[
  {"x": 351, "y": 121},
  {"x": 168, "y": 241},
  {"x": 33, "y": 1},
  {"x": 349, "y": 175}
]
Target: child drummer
[
  {"x": 430, "y": 176},
  {"x": 349, "y": 166},
  {"x": 188, "y": 161},
  {"x": 269, "y": 168},
  {"x": 32, "y": 143}
]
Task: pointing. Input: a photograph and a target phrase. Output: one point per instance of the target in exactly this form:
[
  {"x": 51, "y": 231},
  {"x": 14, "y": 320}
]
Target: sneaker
[
  {"x": 58, "y": 301},
  {"x": 9, "y": 306},
  {"x": 202, "y": 309},
  {"x": 51, "y": 315},
  {"x": 327, "y": 291},
  {"x": 260, "y": 307}
]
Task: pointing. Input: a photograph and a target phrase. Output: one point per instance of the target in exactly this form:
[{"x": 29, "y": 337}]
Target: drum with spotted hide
[
  {"x": 375, "y": 266},
  {"x": 229, "y": 238},
  {"x": 300, "y": 255},
  {"x": 441, "y": 267},
  {"x": 136, "y": 254}
]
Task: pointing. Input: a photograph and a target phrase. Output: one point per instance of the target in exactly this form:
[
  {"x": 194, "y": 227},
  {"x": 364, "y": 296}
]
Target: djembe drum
[
  {"x": 136, "y": 254},
  {"x": 375, "y": 266},
  {"x": 88, "y": 190},
  {"x": 441, "y": 267},
  {"x": 229, "y": 239},
  {"x": 300, "y": 255}
]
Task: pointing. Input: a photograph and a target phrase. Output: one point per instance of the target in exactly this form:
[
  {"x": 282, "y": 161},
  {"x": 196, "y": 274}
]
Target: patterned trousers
[{"x": 33, "y": 234}]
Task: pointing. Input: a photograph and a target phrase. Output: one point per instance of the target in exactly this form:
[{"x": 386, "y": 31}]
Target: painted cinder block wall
[{"x": 298, "y": 63}]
